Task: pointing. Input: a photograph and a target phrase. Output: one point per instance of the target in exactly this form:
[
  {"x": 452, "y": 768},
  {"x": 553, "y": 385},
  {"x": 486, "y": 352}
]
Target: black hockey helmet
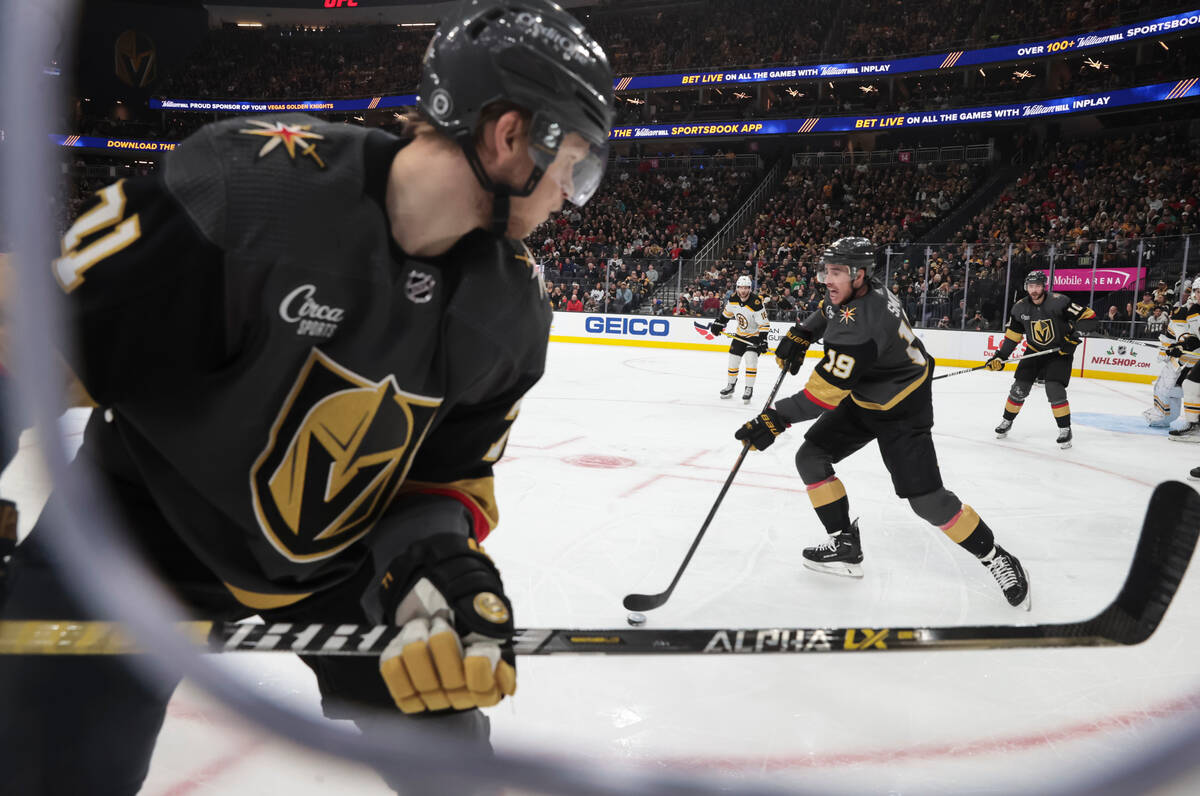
[
  {"x": 531, "y": 53},
  {"x": 857, "y": 254},
  {"x": 1036, "y": 278}
]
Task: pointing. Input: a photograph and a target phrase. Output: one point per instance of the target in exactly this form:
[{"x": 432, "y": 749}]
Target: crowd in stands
[
  {"x": 891, "y": 205},
  {"x": 636, "y": 231},
  {"x": 276, "y": 62},
  {"x": 1133, "y": 195}
]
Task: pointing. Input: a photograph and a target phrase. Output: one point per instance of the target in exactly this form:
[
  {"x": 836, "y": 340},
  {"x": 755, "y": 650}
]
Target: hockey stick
[
  {"x": 984, "y": 365},
  {"x": 648, "y": 602},
  {"x": 1163, "y": 551},
  {"x": 1125, "y": 340}
]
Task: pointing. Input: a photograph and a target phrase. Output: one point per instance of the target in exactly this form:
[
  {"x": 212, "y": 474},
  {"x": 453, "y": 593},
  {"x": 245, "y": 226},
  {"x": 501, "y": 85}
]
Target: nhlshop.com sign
[{"x": 1076, "y": 279}]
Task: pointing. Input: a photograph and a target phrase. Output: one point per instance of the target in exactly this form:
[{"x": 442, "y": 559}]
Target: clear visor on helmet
[
  {"x": 550, "y": 142},
  {"x": 827, "y": 269}
]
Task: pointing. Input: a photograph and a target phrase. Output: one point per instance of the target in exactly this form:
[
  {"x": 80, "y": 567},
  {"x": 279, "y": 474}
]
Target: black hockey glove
[
  {"x": 761, "y": 344},
  {"x": 789, "y": 354},
  {"x": 718, "y": 326},
  {"x": 1186, "y": 342},
  {"x": 995, "y": 363},
  {"x": 762, "y": 430},
  {"x": 455, "y": 648}
]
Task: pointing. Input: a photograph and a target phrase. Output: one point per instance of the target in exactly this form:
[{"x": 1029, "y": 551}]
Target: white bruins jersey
[
  {"x": 749, "y": 316},
  {"x": 1185, "y": 320}
]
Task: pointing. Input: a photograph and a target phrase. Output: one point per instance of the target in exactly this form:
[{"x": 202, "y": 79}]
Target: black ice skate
[
  {"x": 727, "y": 392},
  {"x": 1194, "y": 475},
  {"x": 1064, "y": 438},
  {"x": 839, "y": 554},
  {"x": 1183, "y": 431},
  {"x": 1009, "y": 573},
  {"x": 747, "y": 395},
  {"x": 1002, "y": 429}
]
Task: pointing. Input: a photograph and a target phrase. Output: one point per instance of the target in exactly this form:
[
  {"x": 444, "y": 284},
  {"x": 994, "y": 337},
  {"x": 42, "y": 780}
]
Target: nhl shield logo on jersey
[
  {"x": 1042, "y": 331},
  {"x": 419, "y": 287},
  {"x": 338, "y": 450}
]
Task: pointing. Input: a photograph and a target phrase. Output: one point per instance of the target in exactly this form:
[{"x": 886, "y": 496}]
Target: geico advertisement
[{"x": 949, "y": 347}]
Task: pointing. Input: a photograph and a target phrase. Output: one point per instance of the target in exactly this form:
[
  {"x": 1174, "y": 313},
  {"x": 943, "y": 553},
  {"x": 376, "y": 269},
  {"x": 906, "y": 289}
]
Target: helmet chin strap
[{"x": 501, "y": 193}]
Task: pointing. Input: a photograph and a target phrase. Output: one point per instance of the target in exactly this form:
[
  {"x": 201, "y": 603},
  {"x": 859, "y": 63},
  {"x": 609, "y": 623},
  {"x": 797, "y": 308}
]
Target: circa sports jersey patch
[
  {"x": 290, "y": 135},
  {"x": 310, "y": 317},
  {"x": 338, "y": 450}
]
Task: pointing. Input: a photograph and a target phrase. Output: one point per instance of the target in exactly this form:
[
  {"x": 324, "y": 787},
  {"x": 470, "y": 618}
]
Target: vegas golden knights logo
[
  {"x": 136, "y": 59},
  {"x": 1042, "y": 332},
  {"x": 339, "y": 449}
]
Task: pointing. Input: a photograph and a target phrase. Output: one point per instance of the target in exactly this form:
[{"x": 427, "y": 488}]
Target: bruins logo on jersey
[
  {"x": 1042, "y": 332},
  {"x": 339, "y": 449}
]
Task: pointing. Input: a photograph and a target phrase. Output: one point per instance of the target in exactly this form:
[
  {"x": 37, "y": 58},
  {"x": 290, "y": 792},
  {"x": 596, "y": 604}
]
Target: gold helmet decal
[
  {"x": 136, "y": 59},
  {"x": 339, "y": 449}
]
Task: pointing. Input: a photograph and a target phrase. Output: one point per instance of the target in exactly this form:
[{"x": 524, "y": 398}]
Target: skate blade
[
  {"x": 726, "y": 397},
  {"x": 1002, "y": 436},
  {"x": 1184, "y": 438},
  {"x": 1193, "y": 477},
  {"x": 1064, "y": 445},
  {"x": 839, "y": 568}
]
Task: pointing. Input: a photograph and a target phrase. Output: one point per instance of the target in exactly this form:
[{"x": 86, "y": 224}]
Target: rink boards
[{"x": 1098, "y": 358}]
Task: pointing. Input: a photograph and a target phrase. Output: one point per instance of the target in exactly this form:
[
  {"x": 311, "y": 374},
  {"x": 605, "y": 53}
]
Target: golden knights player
[
  {"x": 308, "y": 342},
  {"x": 750, "y": 339},
  {"x": 872, "y": 384},
  {"x": 1046, "y": 320}
]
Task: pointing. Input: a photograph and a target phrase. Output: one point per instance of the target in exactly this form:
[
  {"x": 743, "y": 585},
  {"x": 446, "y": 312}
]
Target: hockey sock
[
  {"x": 751, "y": 368},
  {"x": 956, "y": 519},
  {"x": 970, "y": 532},
  {"x": 735, "y": 363},
  {"x": 1016, "y": 399},
  {"x": 1062, "y": 414},
  {"x": 1191, "y": 400},
  {"x": 831, "y": 504}
]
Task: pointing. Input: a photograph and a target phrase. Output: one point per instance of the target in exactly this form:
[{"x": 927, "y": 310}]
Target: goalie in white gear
[
  {"x": 749, "y": 337},
  {"x": 1181, "y": 341}
]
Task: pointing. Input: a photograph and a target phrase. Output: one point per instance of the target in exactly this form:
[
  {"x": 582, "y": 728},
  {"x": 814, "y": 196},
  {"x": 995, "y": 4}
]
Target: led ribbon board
[
  {"x": 1139, "y": 95},
  {"x": 924, "y": 63}
]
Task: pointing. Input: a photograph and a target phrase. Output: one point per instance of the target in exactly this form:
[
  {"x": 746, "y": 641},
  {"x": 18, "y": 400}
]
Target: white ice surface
[{"x": 611, "y": 468}]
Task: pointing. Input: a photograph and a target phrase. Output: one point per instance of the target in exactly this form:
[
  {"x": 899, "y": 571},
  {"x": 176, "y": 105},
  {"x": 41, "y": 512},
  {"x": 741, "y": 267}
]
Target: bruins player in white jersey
[
  {"x": 872, "y": 384},
  {"x": 1046, "y": 320},
  {"x": 745, "y": 309},
  {"x": 291, "y": 331},
  {"x": 1181, "y": 341}
]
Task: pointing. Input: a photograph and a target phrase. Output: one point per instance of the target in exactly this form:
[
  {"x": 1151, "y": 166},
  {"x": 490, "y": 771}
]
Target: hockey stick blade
[
  {"x": 644, "y": 602},
  {"x": 1163, "y": 552}
]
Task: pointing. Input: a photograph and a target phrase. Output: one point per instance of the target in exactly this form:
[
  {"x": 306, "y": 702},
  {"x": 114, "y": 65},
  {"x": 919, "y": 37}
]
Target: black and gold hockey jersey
[
  {"x": 749, "y": 317},
  {"x": 1051, "y": 324},
  {"x": 281, "y": 375},
  {"x": 871, "y": 357}
]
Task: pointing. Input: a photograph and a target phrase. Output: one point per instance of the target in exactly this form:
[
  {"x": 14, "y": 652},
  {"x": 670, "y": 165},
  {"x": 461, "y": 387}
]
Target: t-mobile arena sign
[{"x": 1103, "y": 279}]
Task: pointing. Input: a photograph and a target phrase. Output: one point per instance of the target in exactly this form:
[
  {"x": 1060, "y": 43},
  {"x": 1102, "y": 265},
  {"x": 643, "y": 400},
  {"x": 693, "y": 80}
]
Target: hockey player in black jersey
[
  {"x": 872, "y": 384},
  {"x": 1046, "y": 320},
  {"x": 308, "y": 342}
]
